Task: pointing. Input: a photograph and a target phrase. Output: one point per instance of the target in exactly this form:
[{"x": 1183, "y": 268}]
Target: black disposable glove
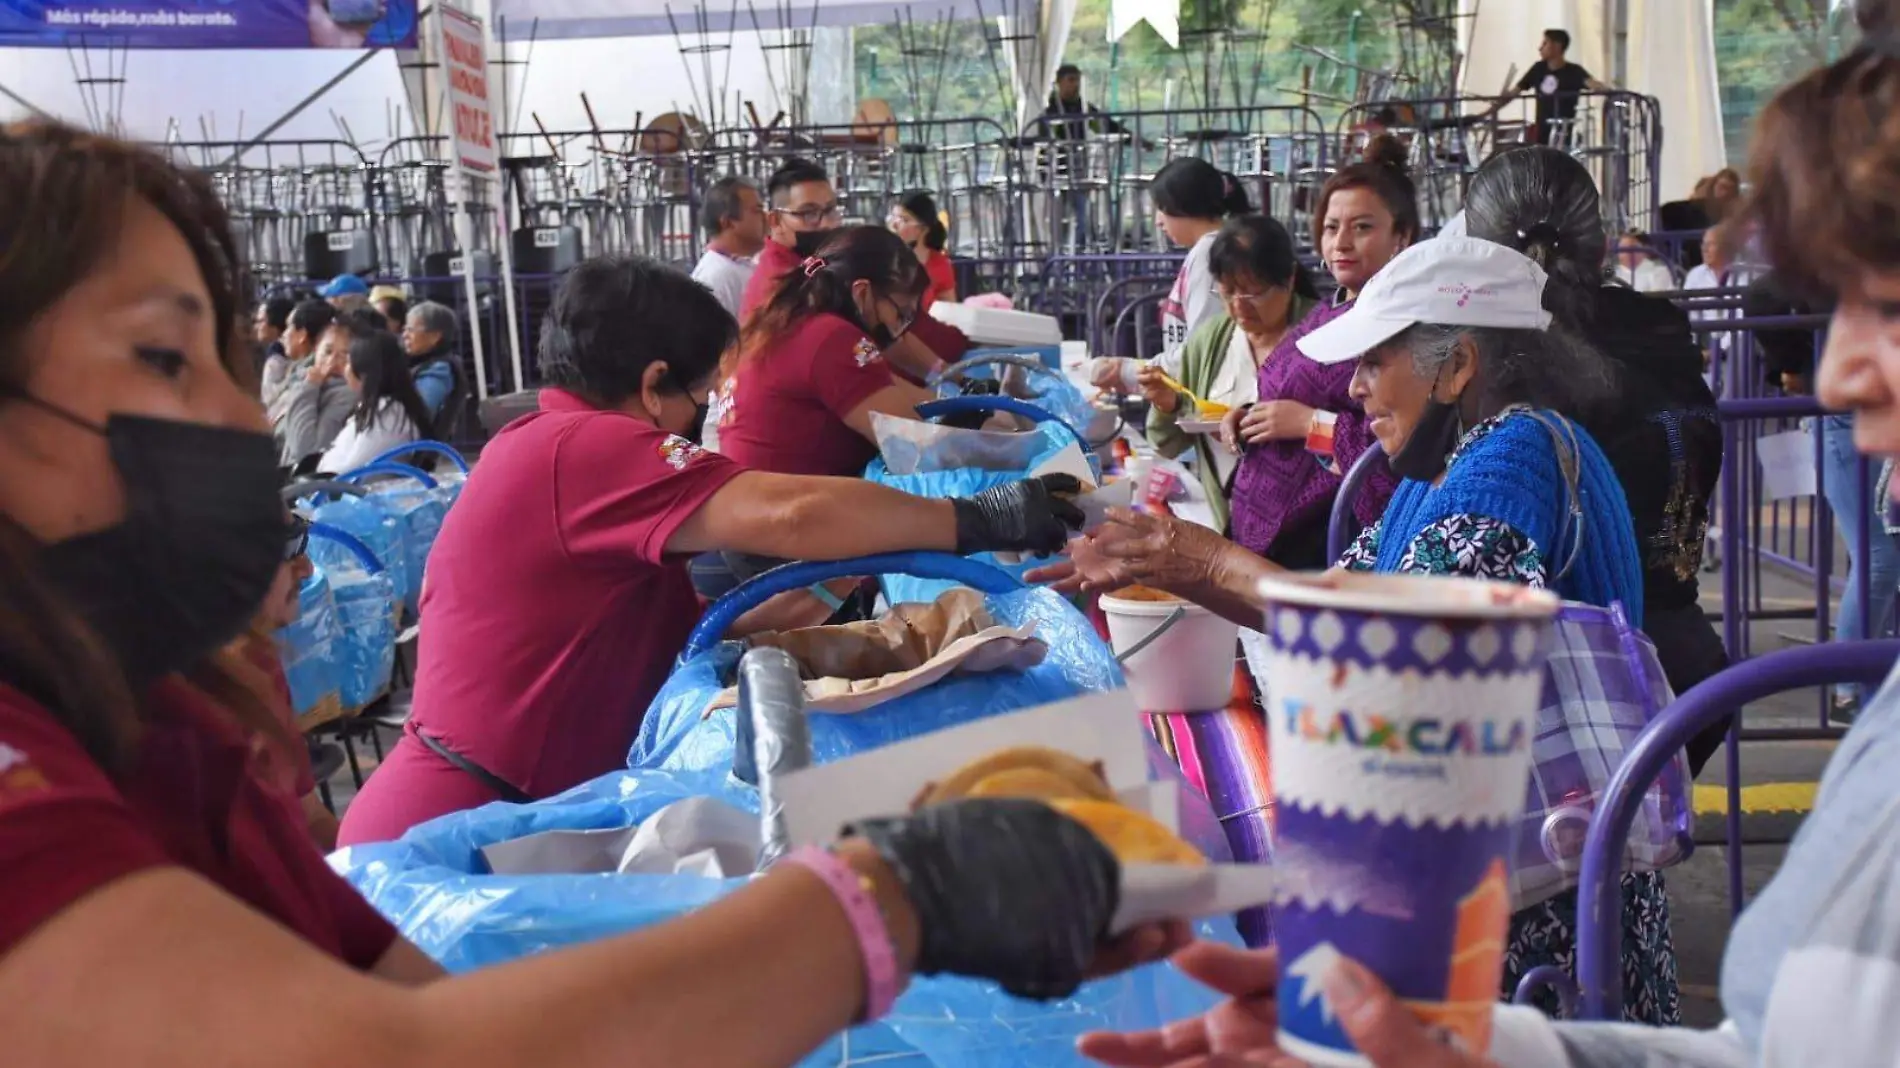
[
  {"x": 1032, "y": 515},
  {"x": 1004, "y": 889}
]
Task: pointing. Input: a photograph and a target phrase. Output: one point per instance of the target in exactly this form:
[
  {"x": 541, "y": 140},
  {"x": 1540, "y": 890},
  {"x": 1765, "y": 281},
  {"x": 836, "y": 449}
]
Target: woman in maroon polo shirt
[
  {"x": 558, "y": 593},
  {"x": 164, "y": 908},
  {"x": 810, "y": 369}
]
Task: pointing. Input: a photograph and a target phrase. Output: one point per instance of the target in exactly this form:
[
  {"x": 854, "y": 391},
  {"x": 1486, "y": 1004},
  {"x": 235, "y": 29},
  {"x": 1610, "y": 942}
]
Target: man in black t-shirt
[{"x": 1557, "y": 83}]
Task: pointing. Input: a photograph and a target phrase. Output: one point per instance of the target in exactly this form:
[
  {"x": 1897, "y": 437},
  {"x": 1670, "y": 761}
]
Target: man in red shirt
[{"x": 802, "y": 211}]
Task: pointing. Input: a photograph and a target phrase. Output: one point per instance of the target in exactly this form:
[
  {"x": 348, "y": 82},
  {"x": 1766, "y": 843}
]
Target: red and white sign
[{"x": 465, "y": 62}]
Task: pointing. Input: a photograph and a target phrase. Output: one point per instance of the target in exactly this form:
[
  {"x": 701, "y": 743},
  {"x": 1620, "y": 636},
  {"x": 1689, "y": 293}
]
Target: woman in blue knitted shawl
[{"x": 1462, "y": 380}]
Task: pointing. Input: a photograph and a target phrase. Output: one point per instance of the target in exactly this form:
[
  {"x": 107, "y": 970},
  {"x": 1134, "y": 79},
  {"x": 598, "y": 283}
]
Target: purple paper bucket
[{"x": 1400, "y": 714}]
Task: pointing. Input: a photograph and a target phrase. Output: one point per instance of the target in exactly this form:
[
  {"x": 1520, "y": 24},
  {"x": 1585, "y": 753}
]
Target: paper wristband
[
  {"x": 857, "y": 897},
  {"x": 831, "y": 600},
  {"x": 1319, "y": 433}
]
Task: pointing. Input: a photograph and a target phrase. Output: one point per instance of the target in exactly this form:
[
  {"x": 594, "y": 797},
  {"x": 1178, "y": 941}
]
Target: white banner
[{"x": 465, "y": 65}]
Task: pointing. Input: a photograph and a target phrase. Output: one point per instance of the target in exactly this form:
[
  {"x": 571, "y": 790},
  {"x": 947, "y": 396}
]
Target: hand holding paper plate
[{"x": 1085, "y": 757}]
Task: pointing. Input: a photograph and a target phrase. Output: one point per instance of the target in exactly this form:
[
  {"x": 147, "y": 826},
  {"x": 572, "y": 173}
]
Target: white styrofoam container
[{"x": 999, "y": 326}]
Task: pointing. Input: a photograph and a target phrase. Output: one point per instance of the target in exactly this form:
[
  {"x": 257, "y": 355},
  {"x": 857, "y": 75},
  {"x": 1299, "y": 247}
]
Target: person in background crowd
[
  {"x": 1266, "y": 293},
  {"x": 1717, "y": 257},
  {"x": 430, "y": 335},
  {"x": 1724, "y": 195},
  {"x": 1464, "y": 381},
  {"x": 303, "y": 332},
  {"x": 1658, "y": 424},
  {"x": 1559, "y": 85},
  {"x": 390, "y": 303},
  {"x": 1716, "y": 271},
  {"x": 914, "y": 219},
  {"x": 267, "y": 329},
  {"x": 346, "y": 293},
  {"x": 1638, "y": 267},
  {"x": 733, "y": 217},
  {"x": 543, "y": 649},
  {"x": 164, "y": 906},
  {"x": 387, "y": 412},
  {"x": 1811, "y": 970},
  {"x": 318, "y": 402},
  {"x": 802, "y": 213},
  {"x": 1068, "y": 117},
  {"x": 1294, "y": 451},
  {"x": 1191, "y": 199},
  {"x": 286, "y": 765}
]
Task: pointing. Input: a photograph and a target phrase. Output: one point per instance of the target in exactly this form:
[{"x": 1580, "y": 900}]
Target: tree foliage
[{"x": 1273, "y": 52}]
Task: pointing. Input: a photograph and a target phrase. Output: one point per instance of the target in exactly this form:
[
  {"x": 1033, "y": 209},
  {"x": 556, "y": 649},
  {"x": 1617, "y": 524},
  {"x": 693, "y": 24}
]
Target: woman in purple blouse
[{"x": 1304, "y": 432}]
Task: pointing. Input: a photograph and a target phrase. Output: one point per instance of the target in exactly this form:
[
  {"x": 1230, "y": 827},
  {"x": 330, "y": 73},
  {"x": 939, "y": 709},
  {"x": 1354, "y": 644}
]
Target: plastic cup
[{"x": 1400, "y": 714}]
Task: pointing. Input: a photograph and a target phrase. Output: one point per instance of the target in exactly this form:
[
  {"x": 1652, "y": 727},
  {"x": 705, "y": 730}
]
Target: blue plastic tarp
[
  {"x": 433, "y": 885},
  {"x": 677, "y": 735},
  {"x": 964, "y": 482}
]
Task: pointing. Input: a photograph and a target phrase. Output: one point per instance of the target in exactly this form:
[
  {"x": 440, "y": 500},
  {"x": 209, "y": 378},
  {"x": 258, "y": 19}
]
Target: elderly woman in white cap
[{"x": 1465, "y": 385}]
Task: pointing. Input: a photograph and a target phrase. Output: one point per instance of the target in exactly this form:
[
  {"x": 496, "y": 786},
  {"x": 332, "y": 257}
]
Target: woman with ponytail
[
  {"x": 1544, "y": 203},
  {"x": 809, "y": 371},
  {"x": 1192, "y": 198}
]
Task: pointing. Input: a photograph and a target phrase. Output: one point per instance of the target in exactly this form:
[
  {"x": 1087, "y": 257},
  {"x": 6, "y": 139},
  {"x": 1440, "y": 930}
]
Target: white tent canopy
[{"x": 568, "y": 19}]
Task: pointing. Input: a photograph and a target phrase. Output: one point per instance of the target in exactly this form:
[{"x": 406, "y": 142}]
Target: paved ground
[{"x": 1778, "y": 782}]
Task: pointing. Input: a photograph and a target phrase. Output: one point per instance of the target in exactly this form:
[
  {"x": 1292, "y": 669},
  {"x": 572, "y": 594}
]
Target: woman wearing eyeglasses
[
  {"x": 914, "y": 218},
  {"x": 1264, "y": 291}
]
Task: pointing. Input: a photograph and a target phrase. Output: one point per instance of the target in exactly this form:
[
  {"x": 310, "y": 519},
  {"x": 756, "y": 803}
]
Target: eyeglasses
[
  {"x": 297, "y": 540},
  {"x": 1239, "y": 298},
  {"x": 814, "y": 216},
  {"x": 900, "y": 222}
]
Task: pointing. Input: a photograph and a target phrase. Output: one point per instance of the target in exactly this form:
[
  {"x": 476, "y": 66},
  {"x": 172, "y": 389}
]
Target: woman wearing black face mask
[
  {"x": 809, "y": 372},
  {"x": 558, "y": 591},
  {"x": 159, "y": 878}
]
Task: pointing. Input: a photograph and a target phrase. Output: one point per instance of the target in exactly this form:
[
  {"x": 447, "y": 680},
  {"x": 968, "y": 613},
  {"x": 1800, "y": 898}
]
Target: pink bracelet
[{"x": 857, "y": 897}]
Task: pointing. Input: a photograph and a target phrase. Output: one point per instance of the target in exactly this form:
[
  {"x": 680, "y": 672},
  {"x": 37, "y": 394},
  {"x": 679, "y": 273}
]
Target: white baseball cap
[{"x": 1448, "y": 281}]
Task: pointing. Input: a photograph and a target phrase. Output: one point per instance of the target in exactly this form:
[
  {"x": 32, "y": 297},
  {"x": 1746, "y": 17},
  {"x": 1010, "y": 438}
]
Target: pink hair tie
[{"x": 812, "y": 265}]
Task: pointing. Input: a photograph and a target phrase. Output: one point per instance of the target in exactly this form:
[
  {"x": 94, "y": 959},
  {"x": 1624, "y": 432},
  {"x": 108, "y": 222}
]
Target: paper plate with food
[{"x": 1083, "y": 757}]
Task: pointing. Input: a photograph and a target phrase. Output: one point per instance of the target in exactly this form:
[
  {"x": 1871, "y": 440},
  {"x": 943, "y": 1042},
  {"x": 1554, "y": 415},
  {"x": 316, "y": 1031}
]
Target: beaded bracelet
[{"x": 857, "y": 895}]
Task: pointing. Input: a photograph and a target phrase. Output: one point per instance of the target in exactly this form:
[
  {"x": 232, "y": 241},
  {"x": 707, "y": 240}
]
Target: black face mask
[
  {"x": 808, "y": 242},
  {"x": 191, "y": 562},
  {"x": 882, "y": 336},
  {"x": 1424, "y": 454},
  {"x": 696, "y": 430}
]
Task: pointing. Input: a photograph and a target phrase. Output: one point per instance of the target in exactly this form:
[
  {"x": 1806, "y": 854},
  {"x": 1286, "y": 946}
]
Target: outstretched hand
[{"x": 1241, "y": 1032}]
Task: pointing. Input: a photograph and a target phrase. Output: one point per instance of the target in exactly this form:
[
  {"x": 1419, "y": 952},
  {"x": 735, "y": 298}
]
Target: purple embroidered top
[{"x": 1281, "y": 485}]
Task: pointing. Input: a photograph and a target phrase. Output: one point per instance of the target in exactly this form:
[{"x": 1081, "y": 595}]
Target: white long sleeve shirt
[{"x": 390, "y": 427}]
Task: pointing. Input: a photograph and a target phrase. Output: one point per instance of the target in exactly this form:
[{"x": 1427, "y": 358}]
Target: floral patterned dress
[{"x": 1545, "y": 933}]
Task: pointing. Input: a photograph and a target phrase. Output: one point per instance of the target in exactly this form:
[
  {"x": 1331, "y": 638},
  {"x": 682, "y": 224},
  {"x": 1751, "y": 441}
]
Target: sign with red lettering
[{"x": 465, "y": 62}]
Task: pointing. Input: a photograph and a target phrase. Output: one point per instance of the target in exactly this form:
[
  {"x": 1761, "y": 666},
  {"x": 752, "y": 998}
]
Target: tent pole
[{"x": 25, "y": 103}]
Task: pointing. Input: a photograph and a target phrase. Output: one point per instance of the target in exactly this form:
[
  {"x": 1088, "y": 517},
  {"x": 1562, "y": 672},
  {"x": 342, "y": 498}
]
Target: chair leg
[
  {"x": 349, "y": 750},
  {"x": 323, "y": 794},
  {"x": 376, "y": 741}
]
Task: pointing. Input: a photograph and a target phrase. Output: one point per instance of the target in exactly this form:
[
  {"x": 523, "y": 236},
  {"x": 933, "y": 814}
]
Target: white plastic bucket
[{"x": 1190, "y": 668}]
